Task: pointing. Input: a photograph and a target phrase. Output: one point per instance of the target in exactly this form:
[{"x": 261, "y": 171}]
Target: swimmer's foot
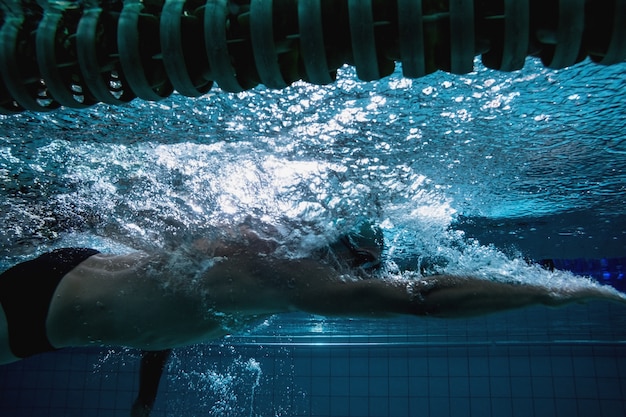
[{"x": 140, "y": 410}]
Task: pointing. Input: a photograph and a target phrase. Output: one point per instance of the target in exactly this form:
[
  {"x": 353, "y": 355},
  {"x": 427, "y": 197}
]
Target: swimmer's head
[{"x": 361, "y": 248}]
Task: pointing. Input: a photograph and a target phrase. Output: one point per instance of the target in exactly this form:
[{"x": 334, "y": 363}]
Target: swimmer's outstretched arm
[
  {"x": 437, "y": 296},
  {"x": 263, "y": 286}
]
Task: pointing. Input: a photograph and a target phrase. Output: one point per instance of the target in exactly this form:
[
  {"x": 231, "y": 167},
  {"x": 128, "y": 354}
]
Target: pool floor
[{"x": 504, "y": 371}]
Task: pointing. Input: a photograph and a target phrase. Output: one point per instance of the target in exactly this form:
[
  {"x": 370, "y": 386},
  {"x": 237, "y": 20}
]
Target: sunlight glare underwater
[{"x": 410, "y": 154}]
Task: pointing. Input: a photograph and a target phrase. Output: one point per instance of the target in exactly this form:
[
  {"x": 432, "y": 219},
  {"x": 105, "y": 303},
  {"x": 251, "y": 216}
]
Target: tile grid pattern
[{"x": 489, "y": 367}]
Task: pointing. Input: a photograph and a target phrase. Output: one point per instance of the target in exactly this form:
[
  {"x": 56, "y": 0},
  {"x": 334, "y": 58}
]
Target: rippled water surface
[{"x": 527, "y": 160}]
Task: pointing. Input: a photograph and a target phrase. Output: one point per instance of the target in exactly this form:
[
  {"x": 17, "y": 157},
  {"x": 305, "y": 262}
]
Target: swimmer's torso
[{"x": 113, "y": 300}]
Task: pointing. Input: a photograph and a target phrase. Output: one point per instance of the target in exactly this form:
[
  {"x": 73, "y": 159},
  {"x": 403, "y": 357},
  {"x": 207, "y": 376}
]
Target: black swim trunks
[{"x": 26, "y": 291}]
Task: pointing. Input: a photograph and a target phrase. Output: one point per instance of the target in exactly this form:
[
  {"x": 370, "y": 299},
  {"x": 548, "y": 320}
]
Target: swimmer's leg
[{"x": 152, "y": 366}]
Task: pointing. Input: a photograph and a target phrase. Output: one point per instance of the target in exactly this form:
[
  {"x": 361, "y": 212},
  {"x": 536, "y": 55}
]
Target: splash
[
  {"x": 253, "y": 366},
  {"x": 425, "y": 241},
  {"x": 453, "y": 254},
  {"x": 111, "y": 357},
  {"x": 315, "y": 160},
  {"x": 228, "y": 392}
]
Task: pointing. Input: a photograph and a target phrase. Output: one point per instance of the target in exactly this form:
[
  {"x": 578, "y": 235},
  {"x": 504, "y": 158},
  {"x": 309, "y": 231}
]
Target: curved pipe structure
[{"x": 76, "y": 53}]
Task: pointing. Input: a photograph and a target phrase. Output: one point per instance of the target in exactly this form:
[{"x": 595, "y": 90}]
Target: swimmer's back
[{"x": 113, "y": 300}]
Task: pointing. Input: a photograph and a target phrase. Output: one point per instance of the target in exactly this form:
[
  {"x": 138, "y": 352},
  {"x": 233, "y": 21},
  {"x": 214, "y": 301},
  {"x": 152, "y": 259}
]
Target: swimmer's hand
[{"x": 561, "y": 296}]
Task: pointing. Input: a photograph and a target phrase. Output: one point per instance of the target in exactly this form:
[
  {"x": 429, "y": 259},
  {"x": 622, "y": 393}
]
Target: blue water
[{"x": 477, "y": 173}]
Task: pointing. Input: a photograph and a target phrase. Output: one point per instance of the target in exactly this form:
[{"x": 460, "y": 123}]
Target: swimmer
[{"x": 80, "y": 297}]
